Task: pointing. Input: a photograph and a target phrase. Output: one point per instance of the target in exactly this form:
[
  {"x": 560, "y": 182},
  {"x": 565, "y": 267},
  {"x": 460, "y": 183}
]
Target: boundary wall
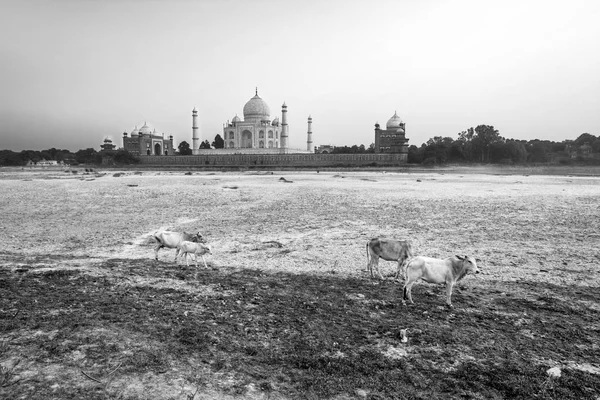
[{"x": 278, "y": 160}]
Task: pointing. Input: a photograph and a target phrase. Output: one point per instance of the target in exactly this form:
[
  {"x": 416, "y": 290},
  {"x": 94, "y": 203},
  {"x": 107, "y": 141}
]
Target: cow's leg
[
  {"x": 449, "y": 286},
  {"x": 177, "y": 253},
  {"x": 402, "y": 267},
  {"x": 196, "y": 260},
  {"x": 408, "y": 292},
  {"x": 156, "y": 249},
  {"x": 378, "y": 272},
  {"x": 400, "y": 264},
  {"x": 410, "y": 281},
  {"x": 370, "y": 266},
  {"x": 205, "y": 266},
  {"x": 369, "y": 263}
]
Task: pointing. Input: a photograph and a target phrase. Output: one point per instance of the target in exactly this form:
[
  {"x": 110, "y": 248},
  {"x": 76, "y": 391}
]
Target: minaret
[
  {"x": 284, "y": 127},
  {"x": 195, "y": 136},
  {"x": 309, "y": 142}
]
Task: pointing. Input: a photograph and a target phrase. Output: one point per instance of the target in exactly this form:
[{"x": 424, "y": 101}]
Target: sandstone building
[
  {"x": 392, "y": 139},
  {"x": 145, "y": 141}
]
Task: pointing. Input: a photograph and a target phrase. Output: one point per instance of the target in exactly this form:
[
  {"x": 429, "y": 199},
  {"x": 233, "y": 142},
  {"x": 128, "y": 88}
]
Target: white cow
[
  {"x": 434, "y": 270},
  {"x": 171, "y": 240},
  {"x": 197, "y": 249}
]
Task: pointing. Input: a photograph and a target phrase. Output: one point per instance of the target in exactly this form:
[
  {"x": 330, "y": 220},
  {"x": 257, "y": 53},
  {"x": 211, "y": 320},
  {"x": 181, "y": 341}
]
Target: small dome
[
  {"x": 256, "y": 108},
  {"x": 275, "y": 121},
  {"x": 145, "y": 130},
  {"x": 194, "y": 110},
  {"x": 107, "y": 140},
  {"x": 399, "y": 130},
  {"x": 394, "y": 122},
  {"x": 135, "y": 131},
  {"x": 236, "y": 119}
]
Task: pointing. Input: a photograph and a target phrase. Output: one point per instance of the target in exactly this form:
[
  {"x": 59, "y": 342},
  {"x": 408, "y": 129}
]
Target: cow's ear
[{"x": 460, "y": 257}]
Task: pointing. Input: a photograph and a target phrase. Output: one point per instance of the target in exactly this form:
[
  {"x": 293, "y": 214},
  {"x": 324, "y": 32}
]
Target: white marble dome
[
  {"x": 236, "y": 119},
  {"x": 256, "y": 108},
  {"x": 394, "y": 122},
  {"x": 145, "y": 130},
  {"x": 135, "y": 131}
]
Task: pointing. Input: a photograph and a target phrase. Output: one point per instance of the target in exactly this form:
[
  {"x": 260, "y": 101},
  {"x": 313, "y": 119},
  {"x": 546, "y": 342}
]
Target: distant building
[
  {"x": 108, "y": 145},
  {"x": 392, "y": 139},
  {"x": 145, "y": 141},
  {"x": 43, "y": 163},
  {"x": 324, "y": 149}
]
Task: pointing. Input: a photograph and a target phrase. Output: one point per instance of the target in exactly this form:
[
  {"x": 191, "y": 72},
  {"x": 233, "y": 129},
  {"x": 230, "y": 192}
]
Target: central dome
[
  {"x": 145, "y": 130},
  {"x": 256, "y": 108},
  {"x": 394, "y": 122}
]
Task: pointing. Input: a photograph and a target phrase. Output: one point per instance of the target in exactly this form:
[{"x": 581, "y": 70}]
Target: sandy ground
[
  {"x": 542, "y": 228},
  {"x": 321, "y": 221}
]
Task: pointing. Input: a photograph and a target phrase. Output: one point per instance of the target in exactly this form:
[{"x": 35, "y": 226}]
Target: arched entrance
[
  {"x": 157, "y": 151},
  {"x": 246, "y": 140}
]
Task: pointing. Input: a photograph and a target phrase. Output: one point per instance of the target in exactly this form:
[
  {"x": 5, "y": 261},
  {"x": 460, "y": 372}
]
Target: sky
[{"x": 74, "y": 72}]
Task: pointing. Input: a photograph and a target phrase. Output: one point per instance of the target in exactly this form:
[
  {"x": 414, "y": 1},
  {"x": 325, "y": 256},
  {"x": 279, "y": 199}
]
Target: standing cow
[
  {"x": 196, "y": 249},
  {"x": 171, "y": 240},
  {"x": 434, "y": 270},
  {"x": 390, "y": 250}
]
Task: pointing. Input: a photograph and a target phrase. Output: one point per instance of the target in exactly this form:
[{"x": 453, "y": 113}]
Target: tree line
[
  {"x": 482, "y": 144},
  {"x": 84, "y": 156}
]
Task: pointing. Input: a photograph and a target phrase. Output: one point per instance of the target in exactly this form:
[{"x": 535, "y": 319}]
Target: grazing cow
[
  {"x": 434, "y": 270},
  {"x": 171, "y": 240},
  {"x": 197, "y": 249},
  {"x": 390, "y": 250}
]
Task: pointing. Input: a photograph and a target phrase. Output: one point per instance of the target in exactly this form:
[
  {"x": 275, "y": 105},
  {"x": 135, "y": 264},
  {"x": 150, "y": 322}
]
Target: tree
[
  {"x": 510, "y": 151},
  {"x": 9, "y": 158},
  {"x": 465, "y": 140},
  {"x": 184, "y": 149},
  {"x": 218, "y": 143},
  {"x": 585, "y": 138},
  {"x": 88, "y": 156},
  {"x": 205, "y": 145},
  {"x": 486, "y": 135},
  {"x": 537, "y": 151},
  {"x": 124, "y": 157},
  {"x": 415, "y": 155}
]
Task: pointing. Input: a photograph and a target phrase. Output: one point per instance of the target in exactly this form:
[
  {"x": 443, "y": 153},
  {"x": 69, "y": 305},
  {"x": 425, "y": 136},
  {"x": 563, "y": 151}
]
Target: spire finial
[{"x": 256, "y": 91}]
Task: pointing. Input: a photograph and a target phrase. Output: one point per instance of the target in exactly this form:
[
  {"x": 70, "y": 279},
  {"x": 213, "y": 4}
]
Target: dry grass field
[{"x": 286, "y": 309}]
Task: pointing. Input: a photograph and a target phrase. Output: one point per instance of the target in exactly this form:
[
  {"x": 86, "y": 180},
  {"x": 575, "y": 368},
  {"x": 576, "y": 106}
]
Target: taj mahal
[
  {"x": 257, "y": 133},
  {"x": 264, "y": 139}
]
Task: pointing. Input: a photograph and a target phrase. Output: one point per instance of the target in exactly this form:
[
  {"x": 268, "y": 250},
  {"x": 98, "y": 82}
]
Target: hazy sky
[{"x": 76, "y": 71}]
